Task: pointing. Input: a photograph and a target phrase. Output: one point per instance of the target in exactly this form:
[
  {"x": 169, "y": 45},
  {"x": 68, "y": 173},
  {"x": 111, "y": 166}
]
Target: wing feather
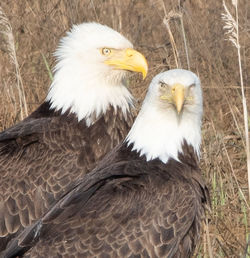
[
  {"x": 119, "y": 216},
  {"x": 40, "y": 158}
]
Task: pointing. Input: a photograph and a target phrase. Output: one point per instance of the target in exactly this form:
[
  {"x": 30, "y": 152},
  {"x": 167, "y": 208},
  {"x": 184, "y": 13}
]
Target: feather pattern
[
  {"x": 126, "y": 207},
  {"x": 44, "y": 154}
]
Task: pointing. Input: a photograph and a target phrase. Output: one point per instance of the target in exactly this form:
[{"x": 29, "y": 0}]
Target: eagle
[
  {"x": 85, "y": 114},
  {"x": 145, "y": 198}
]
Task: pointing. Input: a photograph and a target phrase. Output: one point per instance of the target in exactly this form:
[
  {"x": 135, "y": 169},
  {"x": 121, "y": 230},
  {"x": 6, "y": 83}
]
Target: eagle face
[
  {"x": 177, "y": 90},
  {"x": 101, "y": 50},
  {"x": 126, "y": 59}
]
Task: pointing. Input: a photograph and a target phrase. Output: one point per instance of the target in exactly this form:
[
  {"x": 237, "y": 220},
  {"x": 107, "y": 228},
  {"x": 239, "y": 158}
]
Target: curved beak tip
[
  {"x": 144, "y": 73},
  {"x": 140, "y": 63}
]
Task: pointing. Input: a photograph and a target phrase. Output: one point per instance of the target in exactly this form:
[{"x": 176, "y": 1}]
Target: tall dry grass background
[{"x": 171, "y": 33}]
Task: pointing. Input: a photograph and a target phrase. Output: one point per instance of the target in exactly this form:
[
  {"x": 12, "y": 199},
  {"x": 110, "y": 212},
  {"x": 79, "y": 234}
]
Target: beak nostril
[{"x": 129, "y": 53}]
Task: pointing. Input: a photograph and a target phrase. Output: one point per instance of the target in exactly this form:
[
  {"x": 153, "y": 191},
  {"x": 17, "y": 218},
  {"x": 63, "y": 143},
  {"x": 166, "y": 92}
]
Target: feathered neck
[
  {"x": 162, "y": 133},
  {"x": 86, "y": 93}
]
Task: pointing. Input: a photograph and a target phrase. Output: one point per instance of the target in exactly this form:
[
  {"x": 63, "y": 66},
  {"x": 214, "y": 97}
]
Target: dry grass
[
  {"x": 194, "y": 38},
  {"x": 9, "y": 42},
  {"x": 232, "y": 32}
]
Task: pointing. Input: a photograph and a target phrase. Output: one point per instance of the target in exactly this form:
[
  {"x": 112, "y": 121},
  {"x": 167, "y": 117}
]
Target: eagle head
[
  {"x": 170, "y": 115},
  {"x": 92, "y": 62}
]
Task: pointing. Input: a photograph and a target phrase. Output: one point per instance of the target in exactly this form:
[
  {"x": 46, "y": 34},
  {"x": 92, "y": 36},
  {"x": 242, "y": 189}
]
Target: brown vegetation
[{"x": 184, "y": 33}]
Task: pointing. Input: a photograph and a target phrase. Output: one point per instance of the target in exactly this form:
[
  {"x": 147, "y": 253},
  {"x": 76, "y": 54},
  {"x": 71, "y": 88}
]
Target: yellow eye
[{"x": 106, "y": 51}]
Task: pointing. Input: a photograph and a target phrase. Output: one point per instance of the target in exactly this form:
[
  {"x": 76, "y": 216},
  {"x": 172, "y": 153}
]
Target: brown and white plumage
[
  {"x": 86, "y": 113},
  {"x": 140, "y": 201}
]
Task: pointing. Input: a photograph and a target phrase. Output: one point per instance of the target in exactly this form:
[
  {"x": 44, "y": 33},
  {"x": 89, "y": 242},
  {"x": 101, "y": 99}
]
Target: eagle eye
[
  {"x": 163, "y": 84},
  {"x": 106, "y": 51}
]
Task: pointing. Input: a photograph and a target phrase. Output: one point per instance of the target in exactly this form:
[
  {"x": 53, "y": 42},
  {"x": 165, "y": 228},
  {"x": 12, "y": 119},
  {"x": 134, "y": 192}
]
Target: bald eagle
[
  {"x": 86, "y": 113},
  {"x": 146, "y": 198}
]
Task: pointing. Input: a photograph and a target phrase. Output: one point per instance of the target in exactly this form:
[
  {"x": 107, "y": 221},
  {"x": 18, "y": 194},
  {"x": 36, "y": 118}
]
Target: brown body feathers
[
  {"x": 41, "y": 156},
  {"x": 126, "y": 207}
]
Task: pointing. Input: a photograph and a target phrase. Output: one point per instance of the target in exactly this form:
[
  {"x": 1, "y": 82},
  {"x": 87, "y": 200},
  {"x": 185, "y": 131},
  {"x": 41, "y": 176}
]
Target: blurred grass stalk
[
  {"x": 231, "y": 28},
  {"x": 8, "y": 37},
  {"x": 47, "y": 67}
]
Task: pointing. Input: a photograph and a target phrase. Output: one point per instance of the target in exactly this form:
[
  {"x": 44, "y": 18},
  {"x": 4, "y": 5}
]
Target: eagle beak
[
  {"x": 178, "y": 92},
  {"x": 128, "y": 59}
]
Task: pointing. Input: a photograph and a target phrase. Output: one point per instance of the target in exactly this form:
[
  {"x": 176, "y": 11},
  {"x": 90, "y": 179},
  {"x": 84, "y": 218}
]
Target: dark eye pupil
[{"x": 105, "y": 51}]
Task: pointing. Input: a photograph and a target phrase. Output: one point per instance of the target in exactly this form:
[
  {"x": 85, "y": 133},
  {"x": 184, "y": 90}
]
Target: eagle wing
[
  {"x": 118, "y": 215},
  {"x": 39, "y": 158}
]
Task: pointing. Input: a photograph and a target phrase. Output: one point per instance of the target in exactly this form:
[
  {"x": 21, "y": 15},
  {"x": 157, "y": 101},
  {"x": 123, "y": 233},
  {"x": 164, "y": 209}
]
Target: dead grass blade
[
  {"x": 232, "y": 32},
  {"x": 6, "y": 31}
]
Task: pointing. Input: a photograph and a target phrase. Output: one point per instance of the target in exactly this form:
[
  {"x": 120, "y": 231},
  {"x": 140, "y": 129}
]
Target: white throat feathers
[
  {"x": 159, "y": 131},
  {"x": 83, "y": 83}
]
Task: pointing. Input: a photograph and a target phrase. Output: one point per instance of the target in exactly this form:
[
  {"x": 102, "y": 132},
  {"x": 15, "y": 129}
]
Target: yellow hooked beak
[
  {"x": 178, "y": 92},
  {"x": 128, "y": 59}
]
